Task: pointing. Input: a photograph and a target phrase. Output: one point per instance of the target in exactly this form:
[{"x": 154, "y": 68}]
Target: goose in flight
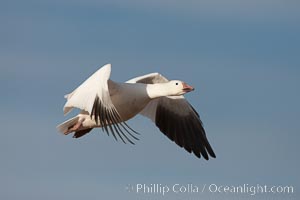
[{"x": 108, "y": 104}]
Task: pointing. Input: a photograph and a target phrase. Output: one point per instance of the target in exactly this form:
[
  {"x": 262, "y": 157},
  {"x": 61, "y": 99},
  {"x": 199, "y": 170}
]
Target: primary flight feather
[{"x": 108, "y": 104}]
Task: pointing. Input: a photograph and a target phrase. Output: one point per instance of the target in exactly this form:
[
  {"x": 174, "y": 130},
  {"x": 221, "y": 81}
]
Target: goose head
[{"x": 177, "y": 87}]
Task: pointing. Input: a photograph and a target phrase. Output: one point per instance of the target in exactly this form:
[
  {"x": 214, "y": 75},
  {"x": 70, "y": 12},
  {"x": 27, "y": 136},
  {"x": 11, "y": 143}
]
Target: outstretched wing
[
  {"x": 93, "y": 97},
  {"x": 177, "y": 119},
  {"x": 149, "y": 79}
]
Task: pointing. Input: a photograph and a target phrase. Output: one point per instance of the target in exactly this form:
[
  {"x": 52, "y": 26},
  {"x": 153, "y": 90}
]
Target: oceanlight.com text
[{"x": 248, "y": 189}]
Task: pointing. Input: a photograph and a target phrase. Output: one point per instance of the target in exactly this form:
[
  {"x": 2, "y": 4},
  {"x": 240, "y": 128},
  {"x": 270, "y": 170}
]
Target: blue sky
[{"x": 242, "y": 58}]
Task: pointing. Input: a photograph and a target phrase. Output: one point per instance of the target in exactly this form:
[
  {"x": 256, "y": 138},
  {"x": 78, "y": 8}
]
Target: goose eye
[{"x": 176, "y": 83}]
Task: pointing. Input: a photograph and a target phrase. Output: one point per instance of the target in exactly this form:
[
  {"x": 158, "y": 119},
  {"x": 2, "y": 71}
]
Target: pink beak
[{"x": 187, "y": 88}]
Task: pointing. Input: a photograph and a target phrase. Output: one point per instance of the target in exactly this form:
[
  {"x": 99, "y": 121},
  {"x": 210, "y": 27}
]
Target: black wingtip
[
  {"x": 205, "y": 156},
  {"x": 110, "y": 121},
  {"x": 197, "y": 154},
  {"x": 213, "y": 155},
  {"x": 210, "y": 150}
]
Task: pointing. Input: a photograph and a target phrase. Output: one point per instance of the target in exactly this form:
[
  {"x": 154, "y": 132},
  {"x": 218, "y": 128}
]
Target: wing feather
[
  {"x": 178, "y": 121},
  {"x": 93, "y": 97},
  {"x": 95, "y": 86}
]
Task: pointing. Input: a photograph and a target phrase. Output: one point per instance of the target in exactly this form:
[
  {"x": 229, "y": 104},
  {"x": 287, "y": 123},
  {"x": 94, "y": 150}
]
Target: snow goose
[{"x": 108, "y": 104}]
